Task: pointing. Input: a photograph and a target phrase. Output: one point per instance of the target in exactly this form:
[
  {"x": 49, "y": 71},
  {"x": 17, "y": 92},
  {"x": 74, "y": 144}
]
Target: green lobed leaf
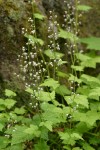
[
  {"x": 95, "y": 140},
  {"x": 87, "y": 146},
  {"x": 89, "y": 117},
  {"x": 19, "y": 111},
  {"x": 56, "y": 103},
  {"x": 53, "y": 114},
  {"x": 9, "y": 93},
  {"x": 15, "y": 147},
  {"x": 52, "y": 54},
  {"x": 14, "y": 116},
  {"x": 2, "y": 108},
  {"x": 32, "y": 130},
  {"x": 96, "y": 59},
  {"x": 47, "y": 124},
  {"x": 1, "y": 126},
  {"x": 78, "y": 99},
  {"x": 93, "y": 82},
  {"x": 39, "y": 16},
  {"x": 29, "y": 90},
  {"x": 83, "y": 7},
  {"x": 33, "y": 40},
  {"x": 67, "y": 35},
  {"x": 63, "y": 90},
  {"x": 94, "y": 92},
  {"x": 88, "y": 61},
  {"x": 44, "y": 133},
  {"x": 82, "y": 57},
  {"x": 36, "y": 119},
  {"x": 4, "y": 118},
  {"x": 18, "y": 134},
  {"x": 77, "y": 148},
  {"x": 4, "y": 141},
  {"x": 70, "y": 137},
  {"x": 50, "y": 82},
  {"x": 74, "y": 78},
  {"x": 62, "y": 74},
  {"x": 60, "y": 62},
  {"x": 45, "y": 96},
  {"x": 84, "y": 90},
  {"x": 41, "y": 145},
  {"x": 93, "y": 43},
  {"x": 76, "y": 136},
  {"x": 9, "y": 103},
  {"x": 95, "y": 106},
  {"x": 82, "y": 127},
  {"x": 77, "y": 68},
  {"x": 82, "y": 100},
  {"x": 2, "y": 104}
]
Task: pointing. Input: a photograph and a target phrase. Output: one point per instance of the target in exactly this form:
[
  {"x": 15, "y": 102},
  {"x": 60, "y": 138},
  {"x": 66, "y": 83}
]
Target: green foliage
[
  {"x": 62, "y": 110},
  {"x": 78, "y": 99},
  {"x": 93, "y": 43},
  {"x": 90, "y": 81},
  {"x": 83, "y": 7},
  {"x": 51, "y": 83},
  {"x": 87, "y": 61},
  {"x": 67, "y": 35},
  {"x": 45, "y": 96},
  {"x": 33, "y": 40},
  {"x": 20, "y": 111},
  {"x": 53, "y": 55},
  {"x": 69, "y": 137},
  {"x": 41, "y": 145},
  {"x": 38, "y": 16},
  {"x": 9, "y": 93}
]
